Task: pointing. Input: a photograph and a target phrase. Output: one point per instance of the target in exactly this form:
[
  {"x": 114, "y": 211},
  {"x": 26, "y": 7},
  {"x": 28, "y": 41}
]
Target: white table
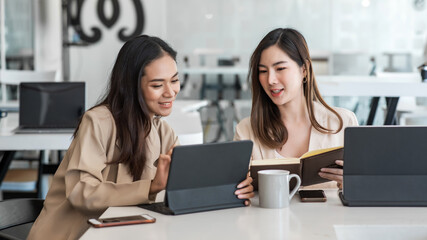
[
  {"x": 330, "y": 220},
  {"x": 215, "y": 70},
  {"x": 390, "y": 85},
  {"x": 11, "y": 142}
]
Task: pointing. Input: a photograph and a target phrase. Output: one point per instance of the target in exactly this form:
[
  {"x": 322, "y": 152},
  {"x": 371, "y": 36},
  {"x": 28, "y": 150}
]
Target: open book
[{"x": 307, "y": 166}]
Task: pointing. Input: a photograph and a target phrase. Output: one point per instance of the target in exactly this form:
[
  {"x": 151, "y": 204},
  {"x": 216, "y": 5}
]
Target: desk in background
[
  {"x": 385, "y": 84},
  {"x": 219, "y": 71},
  {"x": 389, "y": 85},
  {"x": 320, "y": 221},
  {"x": 219, "y": 86},
  {"x": 11, "y": 142}
]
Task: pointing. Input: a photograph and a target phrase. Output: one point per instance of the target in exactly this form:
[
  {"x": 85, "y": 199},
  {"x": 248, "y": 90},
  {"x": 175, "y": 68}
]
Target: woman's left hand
[
  {"x": 245, "y": 190},
  {"x": 334, "y": 174}
]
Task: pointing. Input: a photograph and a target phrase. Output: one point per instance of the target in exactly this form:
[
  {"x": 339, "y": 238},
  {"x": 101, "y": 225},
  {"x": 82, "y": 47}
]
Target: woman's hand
[
  {"x": 334, "y": 174},
  {"x": 245, "y": 190},
  {"x": 161, "y": 178}
]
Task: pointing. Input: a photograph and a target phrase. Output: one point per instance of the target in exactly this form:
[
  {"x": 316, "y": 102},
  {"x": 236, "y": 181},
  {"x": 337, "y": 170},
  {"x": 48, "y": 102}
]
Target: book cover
[{"x": 307, "y": 166}]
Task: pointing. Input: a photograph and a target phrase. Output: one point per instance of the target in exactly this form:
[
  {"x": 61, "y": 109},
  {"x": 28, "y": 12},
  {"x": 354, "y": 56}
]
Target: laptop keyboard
[{"x": 159, "y": 207}]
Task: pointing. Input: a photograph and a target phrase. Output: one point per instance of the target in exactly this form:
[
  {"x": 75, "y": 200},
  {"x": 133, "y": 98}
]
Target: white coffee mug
[{"x": 273, "y": 188}]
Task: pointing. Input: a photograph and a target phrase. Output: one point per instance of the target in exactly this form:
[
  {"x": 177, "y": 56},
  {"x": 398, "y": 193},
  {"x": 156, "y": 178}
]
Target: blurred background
[
  {"x": 367, "y": 54},
  {"x": 79, "y": 40}
]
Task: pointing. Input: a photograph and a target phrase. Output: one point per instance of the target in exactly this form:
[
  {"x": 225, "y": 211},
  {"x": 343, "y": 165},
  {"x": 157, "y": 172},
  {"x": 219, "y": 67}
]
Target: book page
[
  {"x": 277, "y": 161},
  {"x": 319, "y": 151}
]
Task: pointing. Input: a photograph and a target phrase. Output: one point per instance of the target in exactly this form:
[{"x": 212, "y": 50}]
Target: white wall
[
  {"x": 93, "y": 63},
  {"x": 343, "y": 26},
  {"x": 236, "y": 26}
]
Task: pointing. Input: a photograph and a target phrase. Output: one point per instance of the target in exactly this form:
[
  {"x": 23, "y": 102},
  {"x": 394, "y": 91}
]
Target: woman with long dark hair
[
  {"x": 289, "y": 116},
  {"x": 121, "y": 151}
]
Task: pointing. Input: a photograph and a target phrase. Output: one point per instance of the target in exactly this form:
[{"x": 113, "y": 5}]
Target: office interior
[
  {"x": 79, "y": 41},
  {"x": 345, "y": 38}
]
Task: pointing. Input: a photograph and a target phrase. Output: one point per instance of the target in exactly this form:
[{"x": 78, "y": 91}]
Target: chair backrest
[
  {"x": 15, "y": 77},
  {"x": 15, "y": 212},
  {"x": 17, "y": 217}
]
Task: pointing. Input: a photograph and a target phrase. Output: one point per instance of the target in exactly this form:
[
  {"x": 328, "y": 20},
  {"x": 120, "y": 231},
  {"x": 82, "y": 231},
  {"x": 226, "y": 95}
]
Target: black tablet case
[
  {"x": 385, "y": 166},
  {"x": 204, "y": 177}
]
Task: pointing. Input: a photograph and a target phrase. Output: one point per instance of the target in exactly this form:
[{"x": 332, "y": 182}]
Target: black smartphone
[
  {"x": 312, "y": 195},
  {"x": 334, "y": 165}
]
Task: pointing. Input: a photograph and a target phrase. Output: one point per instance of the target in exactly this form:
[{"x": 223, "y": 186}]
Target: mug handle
[{"x": 296, "y": 186}]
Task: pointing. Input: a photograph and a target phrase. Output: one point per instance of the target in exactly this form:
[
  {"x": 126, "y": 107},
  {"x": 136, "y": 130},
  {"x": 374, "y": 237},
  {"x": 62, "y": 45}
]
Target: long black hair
[
  {"x": 124, "y": 98},
  {"x": 266, "y": 120}
]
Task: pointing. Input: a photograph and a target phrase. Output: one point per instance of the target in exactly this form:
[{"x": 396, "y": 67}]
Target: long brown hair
[
  {"x": 124, "y": 98},
  {"x": 266, "y": 121}
]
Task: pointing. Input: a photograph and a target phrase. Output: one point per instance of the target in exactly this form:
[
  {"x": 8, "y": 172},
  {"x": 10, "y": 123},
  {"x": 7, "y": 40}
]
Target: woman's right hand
[{"x": 161, "y": 178}]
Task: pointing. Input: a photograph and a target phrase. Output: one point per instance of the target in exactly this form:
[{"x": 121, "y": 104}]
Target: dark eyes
[
  {"x": 264, "y": 71},
  {"x": 160, "y": 85}
]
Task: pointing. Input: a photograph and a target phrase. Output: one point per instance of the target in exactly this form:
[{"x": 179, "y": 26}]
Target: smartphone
[
  {"x": 312, "y": 195},
  {"x": 118, "y": 221},
  {"x": 334, "y": 165}
]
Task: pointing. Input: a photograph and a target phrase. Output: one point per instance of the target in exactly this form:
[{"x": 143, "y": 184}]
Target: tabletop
[
  {"x": 326, "y": 220},
  {"x": 9, "y": 141}
]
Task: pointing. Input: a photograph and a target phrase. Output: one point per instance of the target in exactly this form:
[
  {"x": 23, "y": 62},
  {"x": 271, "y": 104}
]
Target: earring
[{"x": 304, "y": 80}]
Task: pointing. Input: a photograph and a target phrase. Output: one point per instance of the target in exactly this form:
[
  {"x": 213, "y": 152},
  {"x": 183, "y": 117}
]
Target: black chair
[{"x": 17, "y": 217}]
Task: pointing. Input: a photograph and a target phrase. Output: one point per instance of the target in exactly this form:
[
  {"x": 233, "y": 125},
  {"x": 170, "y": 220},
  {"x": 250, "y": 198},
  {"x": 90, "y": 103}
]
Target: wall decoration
[
  {"x": 74, "y": 18},
  {"x": 101, "y": 14}
]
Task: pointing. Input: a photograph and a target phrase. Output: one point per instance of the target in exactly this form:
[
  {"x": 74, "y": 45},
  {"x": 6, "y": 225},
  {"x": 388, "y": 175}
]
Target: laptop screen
[{"x": 51, "y": 104}]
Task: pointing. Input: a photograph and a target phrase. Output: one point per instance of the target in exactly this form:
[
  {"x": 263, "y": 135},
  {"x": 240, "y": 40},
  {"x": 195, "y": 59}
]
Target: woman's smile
[{"x": 276, "y": 92}]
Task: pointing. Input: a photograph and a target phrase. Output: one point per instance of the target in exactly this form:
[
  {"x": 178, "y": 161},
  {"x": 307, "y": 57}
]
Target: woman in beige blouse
[
  {"x": 289, "y": 116},
  {"x": 121, "y": 150}
]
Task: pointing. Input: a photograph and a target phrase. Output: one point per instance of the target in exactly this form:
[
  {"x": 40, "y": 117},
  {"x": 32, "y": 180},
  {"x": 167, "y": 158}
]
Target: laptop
[
  {"x": 204, "y": 177},
  {"x": 385, "y": 166},
  {"x": 50, "y": 107}
]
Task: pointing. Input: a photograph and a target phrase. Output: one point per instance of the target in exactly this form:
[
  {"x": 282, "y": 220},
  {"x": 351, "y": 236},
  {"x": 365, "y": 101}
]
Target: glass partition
[{"x": 17, "y": 40}]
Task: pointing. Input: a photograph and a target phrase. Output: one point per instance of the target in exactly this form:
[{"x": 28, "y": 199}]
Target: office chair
[
  {"x": 17, "y": 217},
  {"x": 220, "y": 87}
]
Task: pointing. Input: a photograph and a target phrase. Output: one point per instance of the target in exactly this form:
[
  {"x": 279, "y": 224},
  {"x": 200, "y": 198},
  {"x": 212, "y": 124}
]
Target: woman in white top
[{"x": 289, "y": 116}]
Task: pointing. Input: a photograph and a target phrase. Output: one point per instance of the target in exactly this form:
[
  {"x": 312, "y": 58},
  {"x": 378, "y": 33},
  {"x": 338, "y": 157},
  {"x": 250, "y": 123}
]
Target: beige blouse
[
  {"x": 318, "y": 140},
  {"x": 84, "y": 185}
]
